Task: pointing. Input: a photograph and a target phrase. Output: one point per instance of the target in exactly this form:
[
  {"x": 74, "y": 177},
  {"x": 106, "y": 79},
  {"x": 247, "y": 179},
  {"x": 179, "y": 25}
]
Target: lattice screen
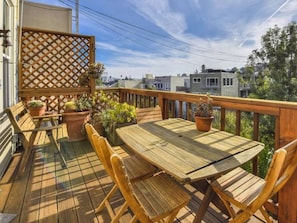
[{"x": 51, "y": 64}]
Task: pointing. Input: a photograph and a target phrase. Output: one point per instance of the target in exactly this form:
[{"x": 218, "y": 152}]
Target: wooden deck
[{"x": 48, "y": 193}]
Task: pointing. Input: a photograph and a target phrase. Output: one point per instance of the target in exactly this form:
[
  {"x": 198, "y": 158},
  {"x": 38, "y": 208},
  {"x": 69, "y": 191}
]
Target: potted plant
[
  {"x": 204, "y": 114},
  {"x": 99, "y": 103},
  {"x": 77, "y": 113},
  {"x": 36, "y": 107},
  {"x": 95, "y": 71},
  {"x": 115, "y": 116}
]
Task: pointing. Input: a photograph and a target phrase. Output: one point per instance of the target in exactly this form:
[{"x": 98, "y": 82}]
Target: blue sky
[{"x": 170, "y": 37}]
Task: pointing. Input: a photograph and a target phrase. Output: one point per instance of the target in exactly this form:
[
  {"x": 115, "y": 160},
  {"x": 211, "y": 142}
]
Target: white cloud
[
  {"x": 219, "y": 34},
  {"x": 160, "y": 13}
]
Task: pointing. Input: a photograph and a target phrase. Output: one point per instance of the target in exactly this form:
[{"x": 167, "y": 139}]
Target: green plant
[
  {"x": 204, "y": 107},
  {"x": 118, "y": 113},
  {"x": 35, "y": 104},
  {"x": 99, "y": 103},
  {"x": 95, "y": 70},
  {"x": 82, "y": 103}
]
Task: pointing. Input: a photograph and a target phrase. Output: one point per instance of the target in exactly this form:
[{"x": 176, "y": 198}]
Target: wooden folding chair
[
  {"x": 155, "y": 199},
  {"x": 32, "y": 135},
  {"x": 122, "y": 150},
  {"x": 148, "y": 114},
  {"x": 137, "y": 169},
  {"x": 249, "y": 192}
]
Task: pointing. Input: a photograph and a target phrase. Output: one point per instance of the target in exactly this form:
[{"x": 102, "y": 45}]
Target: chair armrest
[
  {"x": 41, "y": 129},
  {"x": 47, "y": 116}
]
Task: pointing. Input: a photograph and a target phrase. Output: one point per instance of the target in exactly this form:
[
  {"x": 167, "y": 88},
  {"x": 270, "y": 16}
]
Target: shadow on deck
[{"x": 48, "y": 193}]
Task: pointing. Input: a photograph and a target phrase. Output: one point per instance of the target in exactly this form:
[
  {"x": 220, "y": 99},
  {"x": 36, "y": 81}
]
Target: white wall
[
  {"x": 47, "y": 17},
  {"x": 8, "y": 80}
]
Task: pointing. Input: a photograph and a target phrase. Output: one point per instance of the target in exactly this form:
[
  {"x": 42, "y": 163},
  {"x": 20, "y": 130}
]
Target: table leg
[
  {"x": 204, "y": 205},
  {"x": 209, "y": 196}
]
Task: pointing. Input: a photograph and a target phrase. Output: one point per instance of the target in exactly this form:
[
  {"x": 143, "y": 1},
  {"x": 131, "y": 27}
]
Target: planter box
[
  {"x": 99, "y": 128},
  {"x": 112, "y": 135}
]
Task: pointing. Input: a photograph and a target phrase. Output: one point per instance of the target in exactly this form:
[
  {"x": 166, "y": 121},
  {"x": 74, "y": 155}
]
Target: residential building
[
  {"x": 146, "y": 83},
  {"x": 53, "y": 17},
  {"x": 215, "y": 82},
  {"x": 130, "y": 83},
  {"x": 171, "y": 83}
]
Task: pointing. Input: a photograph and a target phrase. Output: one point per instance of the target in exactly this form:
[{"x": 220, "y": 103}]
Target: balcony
[
  {"x": 48, "y": 193},
  {"x": 77, "y": 190}
]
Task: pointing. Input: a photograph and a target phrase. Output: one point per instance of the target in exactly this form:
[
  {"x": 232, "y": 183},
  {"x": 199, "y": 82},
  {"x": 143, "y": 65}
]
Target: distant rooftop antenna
[{"x": 76, "y": 17}]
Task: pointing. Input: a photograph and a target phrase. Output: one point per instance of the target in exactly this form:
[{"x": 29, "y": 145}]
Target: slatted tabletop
[{"x": 177, "y": 147}]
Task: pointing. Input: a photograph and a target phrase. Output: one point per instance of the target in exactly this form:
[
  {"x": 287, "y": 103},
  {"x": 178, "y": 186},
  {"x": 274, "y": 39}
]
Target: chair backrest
[
  {"x": 123, "y": 183},
  {"x": 90, "y": 130},
  {"x": 148, "y": 114},
  {"x": 104, "y": 152},
  {"x": 282, "y": 167},
  {"x": 21, "y": 120}
]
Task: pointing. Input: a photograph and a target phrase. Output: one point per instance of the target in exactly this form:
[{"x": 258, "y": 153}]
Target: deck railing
[{"x": 175, "y": 104}]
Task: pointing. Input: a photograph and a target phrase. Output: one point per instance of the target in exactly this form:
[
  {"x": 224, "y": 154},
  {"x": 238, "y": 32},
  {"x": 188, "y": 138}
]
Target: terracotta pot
[
  {"x": 203, "y": 123},
  {"x": 75, "y": 124},
  {"x": 37, "y": 111}
]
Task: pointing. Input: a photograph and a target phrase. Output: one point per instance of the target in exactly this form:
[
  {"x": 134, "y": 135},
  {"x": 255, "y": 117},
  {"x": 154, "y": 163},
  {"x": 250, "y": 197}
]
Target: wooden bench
[
  {"x": 148, "y": 114},
  {"x": 32, "y": 135}
]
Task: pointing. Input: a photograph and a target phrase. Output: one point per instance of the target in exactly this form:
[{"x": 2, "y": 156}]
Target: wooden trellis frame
[{"x": 50, "y": 65}]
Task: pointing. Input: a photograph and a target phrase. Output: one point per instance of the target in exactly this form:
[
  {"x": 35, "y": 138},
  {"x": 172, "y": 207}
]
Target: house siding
[{"x": 8, "y": 79}]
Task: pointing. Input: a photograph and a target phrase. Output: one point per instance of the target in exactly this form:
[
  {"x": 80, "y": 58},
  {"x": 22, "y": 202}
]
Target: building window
[
  {"x": 196, "y": 80},
  {"x": 227, "y": 81},
  {"x": 212, "y": 82}
]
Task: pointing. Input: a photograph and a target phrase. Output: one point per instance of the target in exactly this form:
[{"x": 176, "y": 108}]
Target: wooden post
[{"x": 287, "y": 132}]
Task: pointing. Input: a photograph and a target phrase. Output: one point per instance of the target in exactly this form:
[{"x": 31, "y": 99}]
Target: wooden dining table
[{"x": 178, "y": 148}]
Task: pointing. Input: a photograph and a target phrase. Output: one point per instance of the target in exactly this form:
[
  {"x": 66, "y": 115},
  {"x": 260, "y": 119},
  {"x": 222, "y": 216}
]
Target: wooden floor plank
[
  {"x": 48, "y": 202},
  {"x": 65, "y": 196},
  {"x": 7, "y": 180},
  {"x": 48, "y": 193},
  {"x": 85, "y": 211},
  {"x": 31, "y": 206},
  {"x": 15, "y": 202}
]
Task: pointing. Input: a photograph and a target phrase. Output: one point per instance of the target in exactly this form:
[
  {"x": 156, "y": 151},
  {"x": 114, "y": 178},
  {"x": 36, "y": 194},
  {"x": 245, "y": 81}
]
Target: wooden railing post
[
  {"x": 161, "y": 104},
  {"x": 287, "y": 131}
]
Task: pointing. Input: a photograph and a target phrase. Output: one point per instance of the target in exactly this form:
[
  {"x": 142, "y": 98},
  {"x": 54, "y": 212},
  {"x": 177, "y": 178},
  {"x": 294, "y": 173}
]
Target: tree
[
  {"x": 274, "y": 66},
  {"x": 271, "y": 72}
]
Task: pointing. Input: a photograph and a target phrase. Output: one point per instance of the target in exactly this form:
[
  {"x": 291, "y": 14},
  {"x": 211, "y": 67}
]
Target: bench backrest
[
  {"x": 148, "y": 114},
  {"x": 21, "y": 120}
]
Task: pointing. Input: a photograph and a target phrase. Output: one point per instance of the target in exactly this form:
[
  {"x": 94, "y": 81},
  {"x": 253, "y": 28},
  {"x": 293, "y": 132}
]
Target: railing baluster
[
  {"x": 256, "y": 137},
  {"x": 180, "y": 111},
  {"x": 238, "y": 125},
  {"x": 223, "y": 119}
]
